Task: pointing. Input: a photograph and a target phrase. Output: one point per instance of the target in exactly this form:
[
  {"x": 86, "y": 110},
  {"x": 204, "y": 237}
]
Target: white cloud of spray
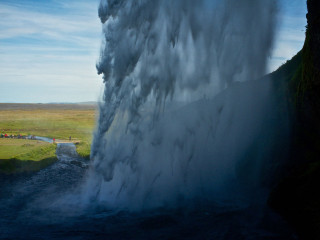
[{"x": 156, "y": 52}]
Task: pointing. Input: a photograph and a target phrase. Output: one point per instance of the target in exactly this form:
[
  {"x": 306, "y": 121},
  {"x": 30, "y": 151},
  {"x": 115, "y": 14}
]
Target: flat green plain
[
  {"x": 16, "y": 148},
  {"x": 59, "y": 121}
]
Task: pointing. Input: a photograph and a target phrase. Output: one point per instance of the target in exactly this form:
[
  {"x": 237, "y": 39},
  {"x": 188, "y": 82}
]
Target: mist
[{"x": 177, "y": 118}]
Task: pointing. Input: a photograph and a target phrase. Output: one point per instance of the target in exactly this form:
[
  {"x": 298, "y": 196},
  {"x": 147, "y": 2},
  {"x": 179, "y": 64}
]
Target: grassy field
[
  {"x": 11, "y": 148},
  {"x": 57, "y": 121},
  {"x": 21, "y": 155}
]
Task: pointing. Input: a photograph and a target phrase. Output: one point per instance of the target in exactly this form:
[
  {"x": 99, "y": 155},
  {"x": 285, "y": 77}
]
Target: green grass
[
  {"x": 51, "y": 121},
  {"x": 13, "y": 166},
  {"x": 83, "y": 149},
  {"x": 38, "y": 154},
  {"x": 11, "y": 148},
  {"x": 20, "y": 155}
]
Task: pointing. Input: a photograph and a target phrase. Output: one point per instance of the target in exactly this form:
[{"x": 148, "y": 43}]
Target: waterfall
[{"x": 176, "y": 117}]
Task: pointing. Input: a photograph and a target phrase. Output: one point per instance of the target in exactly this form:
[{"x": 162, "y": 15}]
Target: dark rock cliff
[
  {"x": 308, "y": 86},
  {"x": 297, "y": 196}
]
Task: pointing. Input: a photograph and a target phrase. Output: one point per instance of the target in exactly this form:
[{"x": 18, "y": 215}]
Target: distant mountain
[
  {"x": 34, "y": 106},
  {"x": 81, "y": 103},
  {"x": 88, "y": 103}
]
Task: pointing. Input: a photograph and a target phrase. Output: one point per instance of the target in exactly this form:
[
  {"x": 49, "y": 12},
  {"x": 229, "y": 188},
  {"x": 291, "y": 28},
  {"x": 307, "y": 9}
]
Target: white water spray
[{"x": 160, "y": 55}]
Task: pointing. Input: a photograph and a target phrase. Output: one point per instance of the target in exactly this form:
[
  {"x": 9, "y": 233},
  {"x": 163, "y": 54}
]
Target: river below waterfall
[{"x": 29, "y": 210}]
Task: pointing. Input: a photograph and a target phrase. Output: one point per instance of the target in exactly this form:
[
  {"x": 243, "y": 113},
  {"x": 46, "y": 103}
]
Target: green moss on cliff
[{"x": 296, "y": 197}]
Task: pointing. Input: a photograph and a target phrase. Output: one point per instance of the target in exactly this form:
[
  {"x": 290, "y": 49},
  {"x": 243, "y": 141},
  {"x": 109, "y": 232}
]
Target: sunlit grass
[
  {"x": 21, "y": 155},
  {"x": 11, "y": 148},
  {"x": 59, "y": 122},
  {"x": 83, "y": 149},
  {"x": 50, "y": 122}
]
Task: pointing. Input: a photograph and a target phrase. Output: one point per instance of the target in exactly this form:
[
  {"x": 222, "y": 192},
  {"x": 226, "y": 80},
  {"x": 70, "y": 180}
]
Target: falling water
[{"x": 176, "y": 118}]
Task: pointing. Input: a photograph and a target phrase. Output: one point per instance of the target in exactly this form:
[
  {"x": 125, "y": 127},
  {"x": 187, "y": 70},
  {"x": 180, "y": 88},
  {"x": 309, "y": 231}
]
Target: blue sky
[
  {"x": 48, "y": 49},
  {"x": 290, "y": 33}
]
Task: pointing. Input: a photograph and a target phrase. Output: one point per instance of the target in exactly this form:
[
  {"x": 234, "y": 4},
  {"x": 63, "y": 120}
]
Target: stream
[{"x": 31, "y": 208}]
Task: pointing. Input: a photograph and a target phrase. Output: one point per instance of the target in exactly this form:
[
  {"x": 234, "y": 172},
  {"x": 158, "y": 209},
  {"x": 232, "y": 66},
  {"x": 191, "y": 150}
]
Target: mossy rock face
[
  {"x": 313, "y": 34},
  {"x": 297, "y": 197},
  {"x": 308, "y": 88},
  {"x": 304, "y": 89}
]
